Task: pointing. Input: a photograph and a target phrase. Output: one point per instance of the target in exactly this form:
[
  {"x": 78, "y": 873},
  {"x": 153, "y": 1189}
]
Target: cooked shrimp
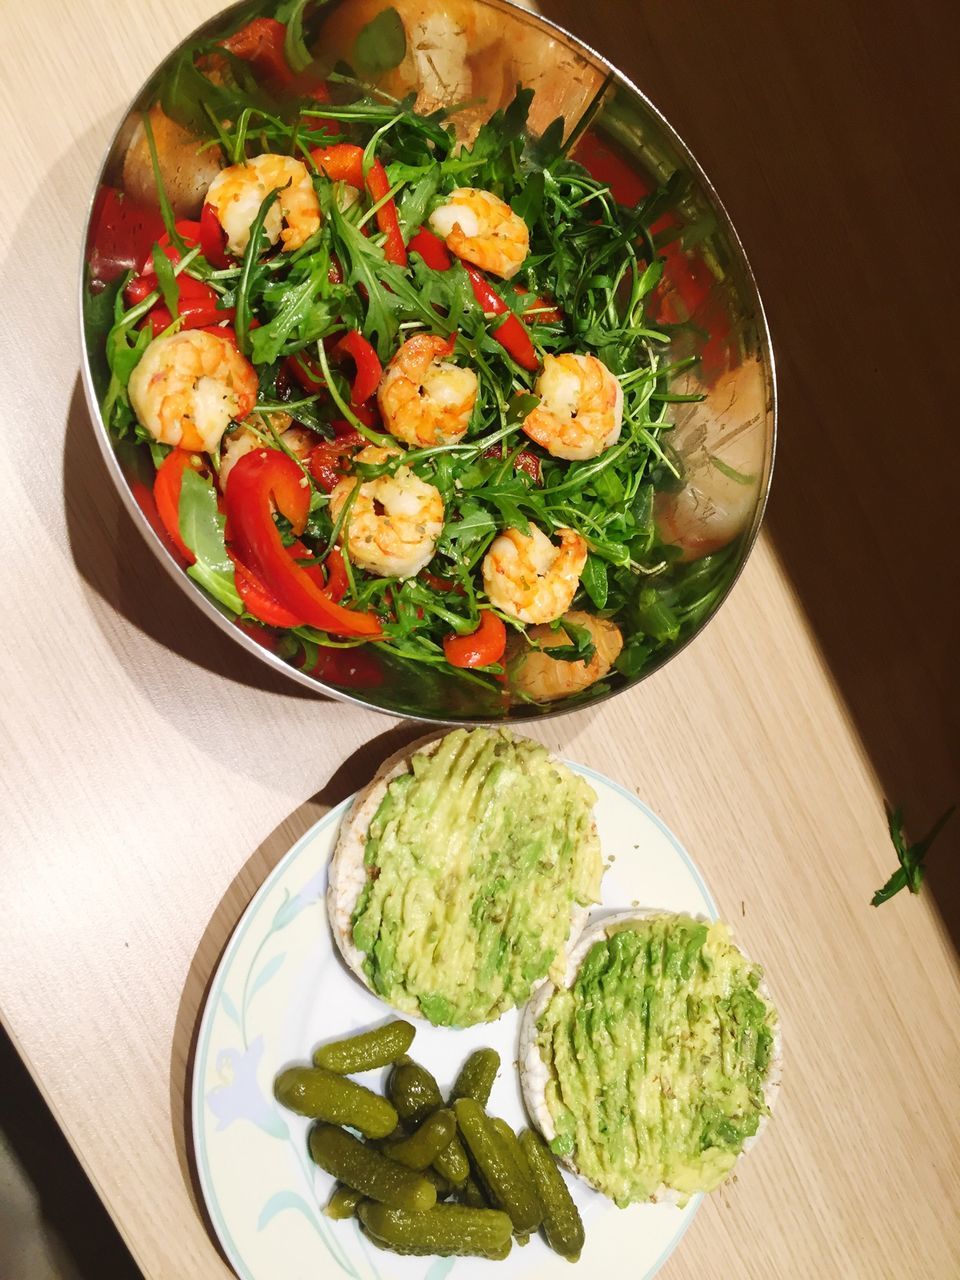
[
  {"x": 477, "y": 226},
  {"x": 423, "y": 398},
  {"x": 238, "y": 192},
  {"x": 531, "y": 578},
  {"x": 298, "y": 440},
  {"x": 190, "y": 386},
  {"x": 581, "y": 407},
  {"x": 536, "y": 675},
  {"x": 395, "y": 521}
]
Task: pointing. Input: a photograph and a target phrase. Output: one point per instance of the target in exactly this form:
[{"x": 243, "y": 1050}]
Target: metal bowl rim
[{"x": 197, "y": 595}]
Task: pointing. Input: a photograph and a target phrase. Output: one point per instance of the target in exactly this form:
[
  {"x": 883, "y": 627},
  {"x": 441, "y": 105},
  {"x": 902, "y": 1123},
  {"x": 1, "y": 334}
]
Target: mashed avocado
[
  {"x": 657, "y": 1058},
  {"x": 476, "y": 859}
]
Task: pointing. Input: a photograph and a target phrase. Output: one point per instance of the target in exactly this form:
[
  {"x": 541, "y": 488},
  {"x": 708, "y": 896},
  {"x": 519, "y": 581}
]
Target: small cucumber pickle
[
  {"x": 449, "y": 1230},
  {"x": 365, "y": 1052},
  {"x": 321, "y": 1095},
  {"x": 366, "y": 1170}
]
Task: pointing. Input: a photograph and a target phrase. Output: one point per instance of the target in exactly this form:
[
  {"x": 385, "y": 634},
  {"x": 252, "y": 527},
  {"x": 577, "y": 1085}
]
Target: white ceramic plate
[{"x": 281, "y": 988}]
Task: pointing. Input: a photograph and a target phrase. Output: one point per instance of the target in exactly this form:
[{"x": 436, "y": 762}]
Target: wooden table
[{"x": 153, "y": 772}]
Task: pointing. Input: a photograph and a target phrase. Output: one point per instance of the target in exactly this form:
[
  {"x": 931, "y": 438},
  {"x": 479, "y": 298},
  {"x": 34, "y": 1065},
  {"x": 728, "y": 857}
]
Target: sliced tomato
[
  {"x": 328, "y": 458},
  {"x": 541, "y": 310},
  {"x": 121, "y": 234},
  {"x": 525, "y": 461},
  {"x": 481, "y": 647}
]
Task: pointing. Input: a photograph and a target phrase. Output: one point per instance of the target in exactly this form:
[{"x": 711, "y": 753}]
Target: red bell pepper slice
[
  {"x": 189, "y": 233},
  {"x": 166, "y": 494},
  {"x": 431, "y": 249},
  {"x": 337, "y": 580},
  {"x": 355, "y": 668},
  {"x": 258, "y": 600},
  {"x": 213, "y": 238},
  {"x": 354, "y": 345},
  {"x": 327, "y": 458},
  {"x": 440, "y": 584},
  {"x": 511, "y": 334},
  {"x": 364, "y": 413},
  {"x": 343, "y": 162},
  {"x": 369, "y": 368},
  {"x": 305, "y": 371},
  {"x": 268, "y": 476},
  {"x": 481, "y": 647},
  {"x": 260, "y": 43},
  {"x": 318, "y": 91},
  {"x": 609, "y": 165}
]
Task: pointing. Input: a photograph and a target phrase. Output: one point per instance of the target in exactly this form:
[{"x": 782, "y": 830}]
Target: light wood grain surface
[{"x": 152, "y": 772}]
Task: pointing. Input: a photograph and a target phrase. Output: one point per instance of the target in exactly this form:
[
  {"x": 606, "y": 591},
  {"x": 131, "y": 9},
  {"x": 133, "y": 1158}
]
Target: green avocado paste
[
  {"x": 657, "y": 1056},
  {"x": 475, "y": 860}
]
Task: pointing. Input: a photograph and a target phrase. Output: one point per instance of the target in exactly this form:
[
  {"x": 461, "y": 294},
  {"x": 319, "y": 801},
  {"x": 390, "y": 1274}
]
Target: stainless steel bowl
[{"x": 725, "y": 442}]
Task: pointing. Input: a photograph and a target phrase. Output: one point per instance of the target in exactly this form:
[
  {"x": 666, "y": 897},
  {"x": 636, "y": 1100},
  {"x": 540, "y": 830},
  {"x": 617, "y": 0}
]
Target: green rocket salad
[{"x": 309, "y": 331}]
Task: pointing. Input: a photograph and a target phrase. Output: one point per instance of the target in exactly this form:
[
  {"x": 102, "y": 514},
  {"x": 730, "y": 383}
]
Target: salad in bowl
[{"x": 433, "y": 394}]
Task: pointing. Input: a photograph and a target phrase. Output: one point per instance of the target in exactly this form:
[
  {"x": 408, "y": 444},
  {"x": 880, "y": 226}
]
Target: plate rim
[{"x": 214, "y": 990}]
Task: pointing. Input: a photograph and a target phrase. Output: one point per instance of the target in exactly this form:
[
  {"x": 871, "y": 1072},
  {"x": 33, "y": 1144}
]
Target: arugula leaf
[
  {"x": 594, "y": 580},
  {"x": 382, "y": 43},
  {"x": 910, "y": 873},
  {"x": 201, "y": 527},
  {"x": 528, "y": 205},
  {"x": 655, "y": 617},
  {"x": 294, "y": 47},
  {"x": 415, "y": 200},
  {"x": 580, "y": 647},
  {"x": 297, "y": 305},
  {"x": 124, "y": 347},
  {"x": 166, "y": 209},
  {"x": 249, "y": 273},
  {"x": 634, "y": 656},
  {"x": 474, "y": 525},
  {"x": 191, "y": 98},
  {"x": 167, "y": 281}
]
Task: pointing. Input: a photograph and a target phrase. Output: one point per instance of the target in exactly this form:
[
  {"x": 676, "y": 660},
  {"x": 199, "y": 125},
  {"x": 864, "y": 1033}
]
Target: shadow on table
[
  {"x": 860, "y": 277},
  {"x": 79, "y": 1236},
  {"x": 135, "y": 583},
  {"x": 363, "y": 763}
]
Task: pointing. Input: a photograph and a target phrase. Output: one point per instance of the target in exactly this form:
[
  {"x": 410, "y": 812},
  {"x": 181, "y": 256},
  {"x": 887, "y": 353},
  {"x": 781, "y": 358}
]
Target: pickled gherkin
[
  {"x": 367, "y": 1171},
  {"x": 413, "y": 1091},
  {"x": 416, "y": 1095},
  {"x": 496, "y": 1164},
  {"x": 322, "y": 1095},
  {"x": 343, "y": 1203},
  {"x": 425, "y": 1143},
  {"x": 562, "y": 1223},
  {"x": 471, "y": 1194},
  {"x": 364, "y": 1052},
  {"x": 447, "y": 1230},
  {"x": 512, "y": 1143},
  {"x": 477, "y": 1076}
]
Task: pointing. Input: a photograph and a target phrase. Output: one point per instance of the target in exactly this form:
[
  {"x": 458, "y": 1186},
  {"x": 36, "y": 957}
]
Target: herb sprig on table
[{"x": 910, "y": 873}]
